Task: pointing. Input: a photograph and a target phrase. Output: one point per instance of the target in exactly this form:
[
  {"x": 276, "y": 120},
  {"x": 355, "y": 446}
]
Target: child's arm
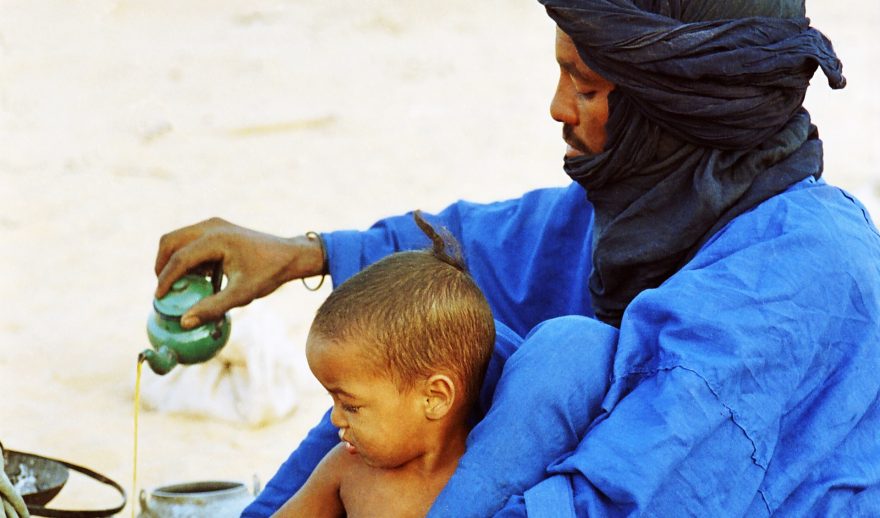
[{"x": 319, "y": 496}]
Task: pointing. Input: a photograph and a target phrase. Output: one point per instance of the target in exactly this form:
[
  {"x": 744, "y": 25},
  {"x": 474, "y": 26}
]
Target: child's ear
[{"x": 438, "y": 396}]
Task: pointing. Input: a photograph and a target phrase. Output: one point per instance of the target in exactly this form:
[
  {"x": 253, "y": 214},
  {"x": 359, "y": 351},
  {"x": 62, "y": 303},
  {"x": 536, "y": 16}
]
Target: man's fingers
[
  {"x": 172, "y": 241},
  {"x": 184, "y": 260},
  {"x": 164, "y": 253},
  {"x": 169, "y": 244}
]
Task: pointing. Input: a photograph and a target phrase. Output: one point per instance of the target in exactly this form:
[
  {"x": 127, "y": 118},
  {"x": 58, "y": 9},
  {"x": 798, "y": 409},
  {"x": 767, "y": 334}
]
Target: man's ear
[{"x": 438, "y": 396}]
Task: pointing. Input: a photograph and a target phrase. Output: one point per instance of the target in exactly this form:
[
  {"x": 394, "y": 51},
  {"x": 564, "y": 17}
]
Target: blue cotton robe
[{"x": 746, "y": 384}]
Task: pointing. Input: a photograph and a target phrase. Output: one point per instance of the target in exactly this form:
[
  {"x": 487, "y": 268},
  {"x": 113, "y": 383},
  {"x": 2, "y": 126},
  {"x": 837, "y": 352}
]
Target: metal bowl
[{"x": 50, "y": 475}]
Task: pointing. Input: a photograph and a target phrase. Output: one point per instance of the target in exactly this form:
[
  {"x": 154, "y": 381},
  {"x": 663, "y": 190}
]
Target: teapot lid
[{"x": 184, "y": 293}]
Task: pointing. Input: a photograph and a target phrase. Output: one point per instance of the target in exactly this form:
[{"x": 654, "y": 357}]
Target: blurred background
[{"x": 122, "y": 120}]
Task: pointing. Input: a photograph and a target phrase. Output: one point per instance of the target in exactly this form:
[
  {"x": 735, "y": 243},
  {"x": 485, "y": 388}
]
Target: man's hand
[{"x": 255, "y": 264}]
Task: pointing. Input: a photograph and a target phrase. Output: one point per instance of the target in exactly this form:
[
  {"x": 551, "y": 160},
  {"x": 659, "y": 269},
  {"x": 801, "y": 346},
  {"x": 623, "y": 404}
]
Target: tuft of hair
[
  {"x": 444, "y": 245},
  {"x": 415, "y": 313}
]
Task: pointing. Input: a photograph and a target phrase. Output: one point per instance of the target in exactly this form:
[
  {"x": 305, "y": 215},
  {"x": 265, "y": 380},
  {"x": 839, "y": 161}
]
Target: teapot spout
[{"x": 161, "y": 361}]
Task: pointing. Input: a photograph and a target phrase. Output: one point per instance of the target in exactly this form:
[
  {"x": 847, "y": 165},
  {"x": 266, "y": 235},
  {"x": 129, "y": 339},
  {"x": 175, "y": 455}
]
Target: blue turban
[{"x": 706, "y": 121}]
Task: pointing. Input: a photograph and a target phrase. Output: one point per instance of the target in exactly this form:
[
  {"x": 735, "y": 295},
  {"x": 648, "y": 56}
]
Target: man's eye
[
  {"x": 588, "y": 96},
  {"x": 351, "y": 408}
]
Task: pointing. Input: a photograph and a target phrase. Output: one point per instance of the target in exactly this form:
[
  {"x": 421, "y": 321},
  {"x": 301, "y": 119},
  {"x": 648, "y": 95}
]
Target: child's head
[{"x": 413, "y": 324}]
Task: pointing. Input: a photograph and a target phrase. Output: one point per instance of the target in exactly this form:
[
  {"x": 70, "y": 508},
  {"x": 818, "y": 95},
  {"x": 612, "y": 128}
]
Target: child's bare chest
[{"x": 382, "y": 493}]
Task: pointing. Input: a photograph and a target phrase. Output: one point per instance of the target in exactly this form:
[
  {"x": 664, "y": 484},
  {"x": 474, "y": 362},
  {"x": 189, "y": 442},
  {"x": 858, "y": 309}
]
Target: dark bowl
[{"x": 50, "y": 475}]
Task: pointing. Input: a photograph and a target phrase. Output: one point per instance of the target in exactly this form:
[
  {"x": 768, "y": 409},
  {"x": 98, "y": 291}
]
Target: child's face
[{"x": 377, "y": 421}]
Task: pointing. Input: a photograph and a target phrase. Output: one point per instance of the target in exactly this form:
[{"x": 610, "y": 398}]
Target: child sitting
[{"x": 402, "y": 347}]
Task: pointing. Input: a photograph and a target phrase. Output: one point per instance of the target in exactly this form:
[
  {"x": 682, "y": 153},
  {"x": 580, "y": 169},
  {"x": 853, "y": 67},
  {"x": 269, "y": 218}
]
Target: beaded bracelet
[{"x": 310, "y": 236}]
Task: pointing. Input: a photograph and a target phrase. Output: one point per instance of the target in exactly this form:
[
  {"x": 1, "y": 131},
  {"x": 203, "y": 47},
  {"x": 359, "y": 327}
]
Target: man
[{"x": 730, "y": 292}]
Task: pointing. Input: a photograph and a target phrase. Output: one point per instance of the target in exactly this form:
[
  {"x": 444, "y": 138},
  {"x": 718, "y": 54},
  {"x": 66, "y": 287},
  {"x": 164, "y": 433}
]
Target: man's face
[
  {"x": 580, "y": 102},
  {"x": 380, "y": 423}
]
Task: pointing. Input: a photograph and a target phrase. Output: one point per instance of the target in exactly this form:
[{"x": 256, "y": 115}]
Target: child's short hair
[{"x": 420, "y": 311}]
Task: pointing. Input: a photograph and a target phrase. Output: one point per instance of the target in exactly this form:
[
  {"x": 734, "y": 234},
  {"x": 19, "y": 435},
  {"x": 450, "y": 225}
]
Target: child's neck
[
  {"x": 447, "y": 448},
  {"x": 443, "y": 449}
]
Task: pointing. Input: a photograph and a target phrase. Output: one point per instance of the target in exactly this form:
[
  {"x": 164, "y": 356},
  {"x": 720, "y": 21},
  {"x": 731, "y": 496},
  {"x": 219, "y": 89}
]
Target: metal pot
[
  {"x": 214, "y": 498},
  {"x": 39, "y": 479},
  {"x": 49, "y": 476}
]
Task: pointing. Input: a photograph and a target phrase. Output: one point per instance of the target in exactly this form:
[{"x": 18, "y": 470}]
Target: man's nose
[{"x": 563, "y": 107}]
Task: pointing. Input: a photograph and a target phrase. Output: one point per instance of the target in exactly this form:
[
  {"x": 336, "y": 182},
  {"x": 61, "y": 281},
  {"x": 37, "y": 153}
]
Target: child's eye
[{"x": 351, "y": 408}]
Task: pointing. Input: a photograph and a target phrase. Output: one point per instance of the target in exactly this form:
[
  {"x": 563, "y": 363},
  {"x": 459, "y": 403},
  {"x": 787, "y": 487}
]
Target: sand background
[{"x": 121, "y": 120}]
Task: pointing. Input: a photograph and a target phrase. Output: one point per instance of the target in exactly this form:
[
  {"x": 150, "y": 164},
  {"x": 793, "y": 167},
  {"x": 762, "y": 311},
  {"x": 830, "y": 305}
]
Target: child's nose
[{"x": 336, "y": 417}]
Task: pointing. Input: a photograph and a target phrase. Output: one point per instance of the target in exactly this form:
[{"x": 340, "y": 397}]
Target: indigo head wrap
[{"x": 705, "y": 123}]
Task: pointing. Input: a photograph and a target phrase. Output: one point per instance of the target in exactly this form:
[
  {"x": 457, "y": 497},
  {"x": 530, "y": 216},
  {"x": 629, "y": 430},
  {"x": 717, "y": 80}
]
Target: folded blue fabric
[{"x": 746, "y": 384}]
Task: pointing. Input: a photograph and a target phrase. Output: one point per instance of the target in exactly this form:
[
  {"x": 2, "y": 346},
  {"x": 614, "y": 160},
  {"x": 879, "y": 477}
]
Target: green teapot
[{"x": 171, "y": 343}]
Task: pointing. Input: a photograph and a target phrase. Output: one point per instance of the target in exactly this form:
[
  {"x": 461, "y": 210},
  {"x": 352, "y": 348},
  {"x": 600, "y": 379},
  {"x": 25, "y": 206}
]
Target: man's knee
[
  {"x": 563, "y": 366},
  {"x": 558, "y": 378},
  {"x": 568, "y": 346}
]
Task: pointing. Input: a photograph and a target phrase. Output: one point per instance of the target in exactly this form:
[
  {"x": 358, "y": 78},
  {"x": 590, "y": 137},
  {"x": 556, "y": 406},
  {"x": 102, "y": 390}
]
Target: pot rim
[{"x": 198, "y": 488}]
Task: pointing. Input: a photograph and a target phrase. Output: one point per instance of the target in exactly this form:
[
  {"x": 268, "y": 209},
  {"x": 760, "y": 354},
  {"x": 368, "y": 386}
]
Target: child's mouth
[{"x": 349, "y": 447}]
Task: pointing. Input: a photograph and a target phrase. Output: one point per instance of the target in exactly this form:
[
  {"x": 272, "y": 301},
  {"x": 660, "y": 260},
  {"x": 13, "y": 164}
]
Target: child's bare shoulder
[
  {"x": 350, "y": 469},
  {"x": 320, "y": 496},
  {"x": 345, "y": 465}
]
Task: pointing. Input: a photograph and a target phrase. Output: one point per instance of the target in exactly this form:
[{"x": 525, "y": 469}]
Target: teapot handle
[{"x": 217, "y": 276}]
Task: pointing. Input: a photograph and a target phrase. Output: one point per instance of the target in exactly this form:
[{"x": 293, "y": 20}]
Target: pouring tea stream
[{"x": 172, "y": 344}]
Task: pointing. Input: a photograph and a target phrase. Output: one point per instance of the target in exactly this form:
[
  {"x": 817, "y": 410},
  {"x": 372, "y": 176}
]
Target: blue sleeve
[{"x": 530, "y": 255}]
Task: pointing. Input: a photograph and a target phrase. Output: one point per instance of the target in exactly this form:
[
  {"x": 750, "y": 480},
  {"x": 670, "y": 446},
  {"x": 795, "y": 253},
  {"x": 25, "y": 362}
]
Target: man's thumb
[
  {"x": 213, "y": 307},
  {"x": 206, "y": 310}
]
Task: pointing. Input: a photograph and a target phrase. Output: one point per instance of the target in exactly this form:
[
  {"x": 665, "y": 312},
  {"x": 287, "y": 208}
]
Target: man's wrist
[
  {"x": 316, "y": 238},
  {"x": 308, "y": 257}
]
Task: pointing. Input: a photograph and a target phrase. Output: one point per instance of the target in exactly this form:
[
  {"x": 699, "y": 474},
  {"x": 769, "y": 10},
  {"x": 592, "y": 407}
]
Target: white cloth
[{"x": 253, "y": 380}]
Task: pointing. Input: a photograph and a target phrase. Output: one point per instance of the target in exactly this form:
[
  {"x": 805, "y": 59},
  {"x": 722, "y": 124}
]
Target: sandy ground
[{"x": 121, "y": 120}]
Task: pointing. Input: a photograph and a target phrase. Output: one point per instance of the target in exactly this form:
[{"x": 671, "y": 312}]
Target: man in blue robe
[{"x": 691, "y": 327}]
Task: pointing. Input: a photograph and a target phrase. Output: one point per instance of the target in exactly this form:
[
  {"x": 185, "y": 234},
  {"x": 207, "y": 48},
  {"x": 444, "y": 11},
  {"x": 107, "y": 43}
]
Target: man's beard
[{"x": 573, "y": 140}]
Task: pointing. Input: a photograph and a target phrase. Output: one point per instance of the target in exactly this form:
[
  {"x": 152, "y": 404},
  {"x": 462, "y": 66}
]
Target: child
[{"x": 402, "y": 347}]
